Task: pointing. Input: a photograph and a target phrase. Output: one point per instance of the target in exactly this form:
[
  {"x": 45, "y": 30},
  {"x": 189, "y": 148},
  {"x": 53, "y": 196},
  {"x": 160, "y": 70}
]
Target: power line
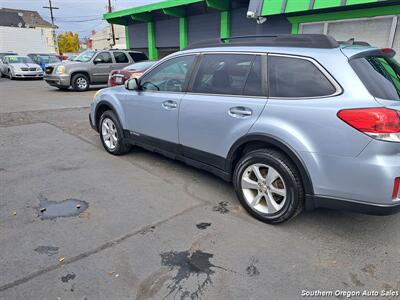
[{"x": 77, "y": 21}]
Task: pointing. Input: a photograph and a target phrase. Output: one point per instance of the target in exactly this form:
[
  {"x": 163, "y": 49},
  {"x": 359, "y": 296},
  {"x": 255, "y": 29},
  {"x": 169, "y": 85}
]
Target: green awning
[{"x": 274, "y": 7}]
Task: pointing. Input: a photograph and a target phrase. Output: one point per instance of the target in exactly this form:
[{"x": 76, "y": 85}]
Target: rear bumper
[
  {"x": 58, "y": 81},
  {"x": 352, "y": 206}
]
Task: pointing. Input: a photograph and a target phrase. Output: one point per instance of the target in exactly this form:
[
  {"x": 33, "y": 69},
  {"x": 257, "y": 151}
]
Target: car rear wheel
[
  {"x": 269, "y": 186},
  {"x": 111, "y": 134},
  {"x": 80, "y": 82}
]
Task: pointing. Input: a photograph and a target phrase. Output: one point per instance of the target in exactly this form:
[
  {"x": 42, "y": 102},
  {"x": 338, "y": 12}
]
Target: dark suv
[{"x": 90, "y": 67}]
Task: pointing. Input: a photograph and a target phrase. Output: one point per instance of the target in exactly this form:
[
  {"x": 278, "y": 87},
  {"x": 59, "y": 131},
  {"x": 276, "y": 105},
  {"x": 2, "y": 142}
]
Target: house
[
  {"x": 25, "y": 31},
  {"x": 102, "y": 39},
  {"x": 162, "y": 27}
]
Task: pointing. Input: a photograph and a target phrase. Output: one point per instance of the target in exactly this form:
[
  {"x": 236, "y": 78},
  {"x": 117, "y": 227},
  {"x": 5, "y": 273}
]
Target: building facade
[
  {"x": 25, "y": 31},
  {"x": 162, "y": 27},
  {"x": 103, "y": 39}
]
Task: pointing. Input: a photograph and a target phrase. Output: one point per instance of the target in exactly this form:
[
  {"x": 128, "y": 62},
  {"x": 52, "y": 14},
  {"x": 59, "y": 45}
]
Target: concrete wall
[{"x": 26, "y": 40}]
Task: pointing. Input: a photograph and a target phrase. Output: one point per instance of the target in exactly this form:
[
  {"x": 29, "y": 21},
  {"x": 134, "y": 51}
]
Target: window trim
[
  {"x": 264, "y": 74},
  {"x": 113, "y": 54},
  {"x": 187, "y": 80},
  {"x": 327, "y": 75}
]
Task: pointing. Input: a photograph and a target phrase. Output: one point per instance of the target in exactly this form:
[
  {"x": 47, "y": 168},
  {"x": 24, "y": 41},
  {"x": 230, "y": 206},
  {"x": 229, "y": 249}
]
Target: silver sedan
[{"x": 17, "y": 66}]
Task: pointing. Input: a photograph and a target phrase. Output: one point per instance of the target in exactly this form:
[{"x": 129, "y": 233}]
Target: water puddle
[
  {"x": 196, "y": 264},
  {"x": 49, "y": 250},
  {"x": 49, "y": 210}
]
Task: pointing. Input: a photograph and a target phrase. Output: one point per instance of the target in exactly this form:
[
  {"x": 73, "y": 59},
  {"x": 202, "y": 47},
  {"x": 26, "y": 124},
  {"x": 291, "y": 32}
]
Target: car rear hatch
[{"x": 380, "y": 73}]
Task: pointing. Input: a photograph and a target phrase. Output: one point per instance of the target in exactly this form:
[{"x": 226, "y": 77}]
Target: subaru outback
[{"x": 295, "y": 122}]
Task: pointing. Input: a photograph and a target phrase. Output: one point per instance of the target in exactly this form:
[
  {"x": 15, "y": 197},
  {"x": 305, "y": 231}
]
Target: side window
[
  {"x": 223, "y": 74},
  {"x": 137, "y": 56},
  {"x": 103, "y": 58},
  {"x": 254, "y": 86},
  {"x": 120, "y": 57},
  {"x": 170, "y": 76},
  {"x": 291, "y": 77}
]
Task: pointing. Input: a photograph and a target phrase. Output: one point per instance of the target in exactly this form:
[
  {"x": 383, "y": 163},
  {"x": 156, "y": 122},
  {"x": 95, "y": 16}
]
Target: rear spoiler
[{"x": 385, "y": 52}]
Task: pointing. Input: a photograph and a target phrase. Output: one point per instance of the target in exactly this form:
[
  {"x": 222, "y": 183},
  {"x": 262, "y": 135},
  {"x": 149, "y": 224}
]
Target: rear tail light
[
  {"x": 396, "y": 189},
  {"x": 379, "y": 123}
]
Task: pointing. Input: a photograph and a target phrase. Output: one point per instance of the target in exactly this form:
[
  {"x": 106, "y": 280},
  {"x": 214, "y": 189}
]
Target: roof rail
[
  {"x": 353, "y": 42},
  {"x": 280, "y": 40}
]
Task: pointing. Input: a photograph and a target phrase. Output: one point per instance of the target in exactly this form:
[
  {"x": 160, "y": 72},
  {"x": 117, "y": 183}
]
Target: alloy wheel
[
  {"x": 263, "y": 188},
  {"x": 109, "y": 133}
]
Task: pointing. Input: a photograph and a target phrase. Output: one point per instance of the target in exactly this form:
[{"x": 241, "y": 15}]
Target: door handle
[
  {"x": 170, "y": 104},
  {"x": 240, "y": 112}
]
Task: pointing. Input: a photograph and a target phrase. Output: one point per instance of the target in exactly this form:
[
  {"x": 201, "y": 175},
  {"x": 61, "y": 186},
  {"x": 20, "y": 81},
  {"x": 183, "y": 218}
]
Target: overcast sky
[{"x": 79, "y": 16}]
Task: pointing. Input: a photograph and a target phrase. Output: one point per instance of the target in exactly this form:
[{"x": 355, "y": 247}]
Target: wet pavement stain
[
  {"x": 49, "y": 210},
  {"x": 203, "y": 226},
  {"x": 252, "y": 269},
  {"x": 196, "y": 264},
  {"x": 49, "y": 250},
  {"x": 68, "y": 277},
  {"x": 222, "y": 207}
]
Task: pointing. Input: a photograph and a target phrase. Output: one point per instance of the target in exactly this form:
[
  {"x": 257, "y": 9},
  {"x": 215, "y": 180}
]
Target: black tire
[
  {"x": 294, "y": 189},
  {"x": 76, "y": 85},
  {"x": 121, "y": 147}
]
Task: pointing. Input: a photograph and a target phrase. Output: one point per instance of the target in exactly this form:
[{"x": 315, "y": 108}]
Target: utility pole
[
  {"x": 51, "y": 8},
  {"x": 112, "y": 25}
]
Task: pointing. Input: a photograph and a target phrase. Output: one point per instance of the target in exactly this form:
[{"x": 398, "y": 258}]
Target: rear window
[
  {"x": 120, "y": 57},
  {"x": 137, "y": 56},
  {"x": 380, "y": 75},
  {"x": 291, "y": 77}
]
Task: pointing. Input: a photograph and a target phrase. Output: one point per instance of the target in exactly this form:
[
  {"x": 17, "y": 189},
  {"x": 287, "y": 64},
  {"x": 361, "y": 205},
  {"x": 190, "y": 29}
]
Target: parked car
[
  {"x": 71, "y": 57},
  {"x": 43, "y": 59},
  {"x": 118, "y": 77},
  {"x": 90, "y": 67},
  {"x": 2, "y": 65},
  {"x": 2, "y": 54},
  {"x": 18, "y": 66},
  {"x": 295, "y": 122}
]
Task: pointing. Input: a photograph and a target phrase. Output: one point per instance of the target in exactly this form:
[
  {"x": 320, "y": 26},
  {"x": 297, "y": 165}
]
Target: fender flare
[
  {"x": 279, "y": 144},
  {"x": 111, "y": 106}
]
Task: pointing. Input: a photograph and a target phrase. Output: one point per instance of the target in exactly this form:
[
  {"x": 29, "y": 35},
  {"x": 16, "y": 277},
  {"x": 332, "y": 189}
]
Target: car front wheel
[
  {"x": 80, "y": 82},
  {"x": 269, "y": 186},
  {"x": 111, "y": 134}
]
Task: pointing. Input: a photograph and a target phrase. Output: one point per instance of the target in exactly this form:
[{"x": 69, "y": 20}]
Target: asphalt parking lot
[{"x": 141, "y": 226}]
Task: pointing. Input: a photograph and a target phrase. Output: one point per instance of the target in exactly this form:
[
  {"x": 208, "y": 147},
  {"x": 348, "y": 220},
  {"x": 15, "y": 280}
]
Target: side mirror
[
  {"x": 132, "y": 84},
  {"x": 97, "y": 61}
]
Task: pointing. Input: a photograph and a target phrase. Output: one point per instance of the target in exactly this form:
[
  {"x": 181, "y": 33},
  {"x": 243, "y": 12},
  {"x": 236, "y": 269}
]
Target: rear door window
[
  {"x": 380, "y": 75},
  {"x": 228, "y": 74},
  {"x": 120, "y": 57},
  {"x": 291, "y": 77}
]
